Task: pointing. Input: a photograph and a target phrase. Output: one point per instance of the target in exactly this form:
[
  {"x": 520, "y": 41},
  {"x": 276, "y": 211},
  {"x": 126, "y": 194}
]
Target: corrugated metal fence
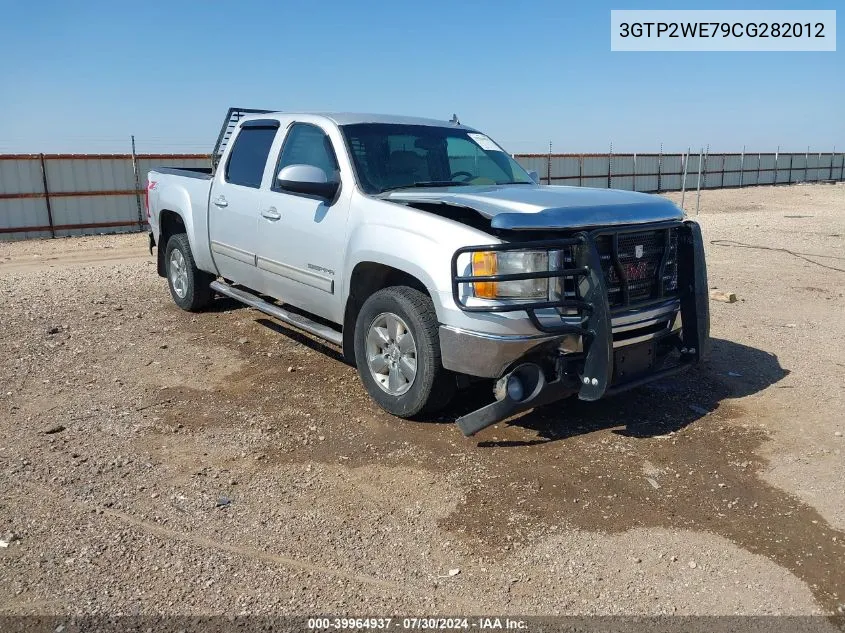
[
  {"x": 44, "y": 195},
  {"x": 55, "y": 195},
  {"x": 670, "y": 172}
]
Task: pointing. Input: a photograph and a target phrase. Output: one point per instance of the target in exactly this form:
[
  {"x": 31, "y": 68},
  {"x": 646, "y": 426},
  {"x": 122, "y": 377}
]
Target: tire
[
  {"x": 189, "y": 286},
  {"x": 395, "y": 312}
]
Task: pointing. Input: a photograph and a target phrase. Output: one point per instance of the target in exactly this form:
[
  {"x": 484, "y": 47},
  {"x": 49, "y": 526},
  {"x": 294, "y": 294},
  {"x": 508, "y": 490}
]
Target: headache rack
[
  {"x": 601, "y": 271},
  {"x": 227, "y": 129}
]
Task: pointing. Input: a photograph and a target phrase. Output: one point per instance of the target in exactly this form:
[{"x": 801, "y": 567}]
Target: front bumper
[
  {"x": 548, "y": 362},
  {"x": 491, "y": 355}
]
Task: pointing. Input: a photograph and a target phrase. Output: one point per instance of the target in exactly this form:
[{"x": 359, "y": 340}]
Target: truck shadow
[
  {"x": 302, "y": 339},
  {"x": 733, "y": 370}
]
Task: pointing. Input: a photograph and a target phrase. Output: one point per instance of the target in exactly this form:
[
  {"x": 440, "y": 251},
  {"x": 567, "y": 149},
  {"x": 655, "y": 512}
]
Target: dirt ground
[{"x": 155, "y": 461}]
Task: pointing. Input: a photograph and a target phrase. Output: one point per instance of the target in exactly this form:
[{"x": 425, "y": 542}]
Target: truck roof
[{"x": 348, "y": 118}]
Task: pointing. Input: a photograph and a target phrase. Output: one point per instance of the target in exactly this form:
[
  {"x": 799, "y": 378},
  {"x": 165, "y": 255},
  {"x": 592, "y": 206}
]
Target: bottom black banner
[{"x": 374, "y": 623}]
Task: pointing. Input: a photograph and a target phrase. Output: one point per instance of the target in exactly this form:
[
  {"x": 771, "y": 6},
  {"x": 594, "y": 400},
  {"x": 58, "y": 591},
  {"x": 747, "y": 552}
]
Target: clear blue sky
[{"x": 83, "y": 76}]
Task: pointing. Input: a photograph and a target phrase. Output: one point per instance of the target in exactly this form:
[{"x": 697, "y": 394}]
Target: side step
[{"x": 296, "y": 320}]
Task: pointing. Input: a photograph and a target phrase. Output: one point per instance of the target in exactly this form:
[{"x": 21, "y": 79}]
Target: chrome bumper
[
  {"x": 490, "y": 355},
  {"x": 486, "y": 355}
]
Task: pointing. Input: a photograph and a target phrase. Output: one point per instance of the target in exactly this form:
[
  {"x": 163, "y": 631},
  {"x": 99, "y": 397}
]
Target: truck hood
[{"x": 536, "y": 207}]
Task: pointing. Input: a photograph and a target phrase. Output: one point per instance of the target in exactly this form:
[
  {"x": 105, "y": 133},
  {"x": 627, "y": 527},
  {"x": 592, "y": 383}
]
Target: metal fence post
[
  {"x": 580, "y": 169},
  {"x": 659, "y": 170},
  {"x": 791, "y": 156},
  {"x": 137, "y": 187},
  {"x": 698, "y": 192},
  {"x": 806, "y": 163},
  {"x": 610, "y": 168},
  {"x": 830, "y": 171},
  {"x": 685, "y": 160},
  {"x": 742, "y": 166},
  {"x": 47, "y": 195},
  {"x": 842, "y": 168},
  {"x": 777, "y": 157},
  {"x": 759, "y": 165},
  {"x": 634, "y": 185}
]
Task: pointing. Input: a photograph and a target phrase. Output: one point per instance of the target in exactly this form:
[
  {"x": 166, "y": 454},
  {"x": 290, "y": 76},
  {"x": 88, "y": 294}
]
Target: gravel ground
[{"x": 154, "y": 461}]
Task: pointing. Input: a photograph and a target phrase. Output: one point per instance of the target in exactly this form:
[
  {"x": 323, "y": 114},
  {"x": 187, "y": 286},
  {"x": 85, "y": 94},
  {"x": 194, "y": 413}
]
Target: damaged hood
[{"x": 535, "y": 207}]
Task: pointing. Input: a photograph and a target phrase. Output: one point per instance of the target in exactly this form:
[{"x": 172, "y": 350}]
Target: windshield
[{"x": 392, "y": 156}]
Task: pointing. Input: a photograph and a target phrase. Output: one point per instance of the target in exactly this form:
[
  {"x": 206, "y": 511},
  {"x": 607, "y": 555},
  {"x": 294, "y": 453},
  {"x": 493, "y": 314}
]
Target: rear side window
[{"x": 249, "y": 156}]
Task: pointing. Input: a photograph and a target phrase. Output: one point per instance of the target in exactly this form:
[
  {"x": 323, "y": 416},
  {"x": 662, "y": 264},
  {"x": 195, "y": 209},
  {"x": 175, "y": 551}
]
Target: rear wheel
[
  {"x": 397, "y": 351},
  {"x": 189, "y": 286}
]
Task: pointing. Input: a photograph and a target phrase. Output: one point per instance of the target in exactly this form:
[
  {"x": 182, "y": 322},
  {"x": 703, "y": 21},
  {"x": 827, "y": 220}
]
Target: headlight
[{"x": 508, "y": 263}]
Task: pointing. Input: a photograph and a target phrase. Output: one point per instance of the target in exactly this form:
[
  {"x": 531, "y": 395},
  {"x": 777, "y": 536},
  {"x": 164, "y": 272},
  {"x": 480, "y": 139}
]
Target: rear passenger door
[{"x": 235, "y": 200}]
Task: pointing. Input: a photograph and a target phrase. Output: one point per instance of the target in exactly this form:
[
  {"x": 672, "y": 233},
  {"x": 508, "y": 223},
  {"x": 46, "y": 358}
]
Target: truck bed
[{"x": 187, "y": 190}]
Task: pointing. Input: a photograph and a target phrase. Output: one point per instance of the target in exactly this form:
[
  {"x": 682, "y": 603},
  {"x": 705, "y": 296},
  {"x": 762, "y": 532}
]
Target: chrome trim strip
[
  {"x": 301, "y": 275},
  {"x": 235, "y": 253},
  {"x": 641, "y": 324},
  {"x": 636, "y": 316},
  {"x": 640, "y": 339},
  {"x": 499, "y": 337}
]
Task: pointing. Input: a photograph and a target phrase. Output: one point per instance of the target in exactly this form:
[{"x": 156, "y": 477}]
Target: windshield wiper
[{"x": 429, "y": 183}]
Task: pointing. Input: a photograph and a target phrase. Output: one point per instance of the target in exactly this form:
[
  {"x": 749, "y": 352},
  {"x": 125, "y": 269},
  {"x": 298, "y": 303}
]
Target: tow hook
[{"x": 523, "y": 388}]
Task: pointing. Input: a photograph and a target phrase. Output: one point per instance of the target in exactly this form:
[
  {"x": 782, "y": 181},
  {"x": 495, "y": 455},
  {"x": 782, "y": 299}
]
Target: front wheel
[
  {"x": 397, "y": 351},
  {"x": 189, "y": 286}
]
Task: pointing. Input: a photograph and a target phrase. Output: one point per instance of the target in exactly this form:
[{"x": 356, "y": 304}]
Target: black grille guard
[{"x": 594, "y": 311}]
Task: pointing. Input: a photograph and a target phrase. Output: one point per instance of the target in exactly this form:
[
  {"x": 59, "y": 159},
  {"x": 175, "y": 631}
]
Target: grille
[{"x": 632, "y": 268}]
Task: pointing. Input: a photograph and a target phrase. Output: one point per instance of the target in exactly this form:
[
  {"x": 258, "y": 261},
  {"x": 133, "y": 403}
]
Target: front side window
[
  {"x": 307, "y": 144},
  {"x": 392, "y": 156},
  {"x": 249, "y": 156}
]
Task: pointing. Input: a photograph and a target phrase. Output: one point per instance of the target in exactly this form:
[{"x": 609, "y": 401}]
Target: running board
[{"x": 296, "y": 320}]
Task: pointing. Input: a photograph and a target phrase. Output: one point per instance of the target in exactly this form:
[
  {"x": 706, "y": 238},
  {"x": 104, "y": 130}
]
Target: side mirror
[
  {"x": 308, "y": 180},
  {"x": 534, "y": 176}
]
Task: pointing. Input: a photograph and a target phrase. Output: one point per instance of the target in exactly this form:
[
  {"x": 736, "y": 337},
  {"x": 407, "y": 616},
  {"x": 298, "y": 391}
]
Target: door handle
[
  {"x": 220, "y": 201},
  {"x": 271, "y": 214}
]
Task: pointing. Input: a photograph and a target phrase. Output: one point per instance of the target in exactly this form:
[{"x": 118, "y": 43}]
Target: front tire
[
  {"x": 189, "y": 286},
  {"x": 397, "y": 351}
]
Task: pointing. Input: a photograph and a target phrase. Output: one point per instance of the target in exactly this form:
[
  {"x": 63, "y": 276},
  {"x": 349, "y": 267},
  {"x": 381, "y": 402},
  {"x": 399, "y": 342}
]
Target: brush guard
[{"x": 594, "y": 317}]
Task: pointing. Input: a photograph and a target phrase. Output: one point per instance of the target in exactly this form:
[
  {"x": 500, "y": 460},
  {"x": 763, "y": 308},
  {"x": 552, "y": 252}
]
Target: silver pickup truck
[{"x": 425, "y": 252}]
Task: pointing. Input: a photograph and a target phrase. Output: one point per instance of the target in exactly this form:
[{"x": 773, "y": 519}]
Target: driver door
[{"x": 302, "y": 238}]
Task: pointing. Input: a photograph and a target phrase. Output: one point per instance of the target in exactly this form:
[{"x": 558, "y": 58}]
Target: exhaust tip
[
  {"x": 515, "y": 390},
  {"x": 520, "y": 384}
]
